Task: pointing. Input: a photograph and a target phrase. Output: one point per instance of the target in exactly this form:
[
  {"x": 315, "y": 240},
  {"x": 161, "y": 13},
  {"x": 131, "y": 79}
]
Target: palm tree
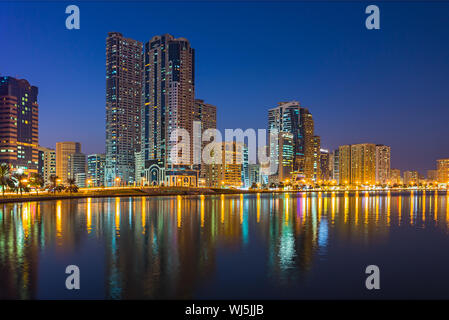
[
  {"x": 71, "y": 185},
  {"x": 54, "y": 181},
  {"x": 21, "y": 180},
  {"x": 37, "y": 181},
  {"x": 5, "y": 176}
]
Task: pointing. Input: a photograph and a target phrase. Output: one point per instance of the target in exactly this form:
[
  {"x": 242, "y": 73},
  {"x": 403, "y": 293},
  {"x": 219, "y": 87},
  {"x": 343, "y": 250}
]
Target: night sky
[{"x": 388, "y": 86}]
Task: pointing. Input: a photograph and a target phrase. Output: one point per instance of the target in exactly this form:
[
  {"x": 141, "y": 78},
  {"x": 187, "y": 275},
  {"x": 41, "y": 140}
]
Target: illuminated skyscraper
[
  {"x": 325, "y": 165},
  {"x": 169, "y": 89},
  {"x": 290, "y": 117},
  {"x": 18, "y": 124},
  {"x": 206, "y": 114},
  {"x": 123, "y": 106},
  {"x": 443, "y": 170},
  {"x": 95, "y": 168},
  {"x": 383, "y": 156},
  {"x": 344, "y": 164},
  {"x": 363, "y": 163}
]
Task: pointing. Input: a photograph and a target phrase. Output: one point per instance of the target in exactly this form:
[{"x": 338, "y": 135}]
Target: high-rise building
[
  {"x": 316, "y": 164},
  {"x": 383, "y": 156},
  {"x": 325, "y": 163},
  {"x": 169, "y": 89},
  {"x": 206, "y": 114},
  {"x": 344, "y": 164},
  {"x": 285, "y": 155},
  {"x": 443, "y": 170},
  {"x": 395, "y": 176},
  {"x": 63, "y": 150},
  {"x": 411, "y": 177},
  {"x": 123, "y": 107},
  {"x": 432, "y": 175},
  {"x": 357, "y": 164},
  {"x": 47, "y": 163},
  {"x": 227, "y": 169},
  {"x": 95, "y": 169},
  {"x": 77, "y": 168},
  {"x": 290, "y": 117},
  {"x": 363, "y": 163},
  {"x": 19, "y": 124},
  {"x": 335, "y": 166}
]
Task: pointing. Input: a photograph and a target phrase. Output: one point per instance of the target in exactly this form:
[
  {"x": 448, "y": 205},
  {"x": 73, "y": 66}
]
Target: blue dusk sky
[{"x": 387, "y": 86}]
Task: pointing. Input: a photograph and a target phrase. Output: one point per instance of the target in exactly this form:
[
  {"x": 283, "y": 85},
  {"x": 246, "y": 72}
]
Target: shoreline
[{"x": 184, "y": 191}]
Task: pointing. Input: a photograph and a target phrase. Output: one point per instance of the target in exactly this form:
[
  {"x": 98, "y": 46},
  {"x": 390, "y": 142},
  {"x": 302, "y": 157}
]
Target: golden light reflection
[
  {"x": 399, "y": 209},
  {"x": 58, "y": 219},
  {"x": 346, "y": 206},
  {"x": 435, "y": 209},
  {"x": 117, "y": 214},
  {"x": 25, "y": 219},
  {"x": 424, "y": 206},
  {"x": 333, "y": 207},
  {"x": 178, "y": 211},
  {"x": 222, "y": 208},
  {"x": 258, "y": 207},
  {"x": 377, "y": 209},
  {"x": 286, "y": 208},
  {"x": 89, "y": 215},
  {"x": 388, "y": 208},
  {"x": 144, "y": 215},
  {"x": 411, "y": 207},
  {"x": 202, "y": 210},
  {"x": 356, "y": 208},
  {"x": 366, "y": 207}
]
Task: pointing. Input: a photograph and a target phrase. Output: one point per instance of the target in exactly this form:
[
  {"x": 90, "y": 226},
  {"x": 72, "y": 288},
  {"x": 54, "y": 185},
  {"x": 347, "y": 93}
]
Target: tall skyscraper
[
  {"x": 169, "y": 90},
  {"x": 19, "y": 124},
  {"x": 357, "y": 164},
  {"x": 383, "y": 156},
  {"x": 335, "y": 166},
  {"x": 47, "y": 163},
  {"x": 443, "y": 170},
  {"x": 95, "y": 168},
  {"x": 344, "y": 164},
  {"x": 316, "y": 164},
  {"x": 363, "y": 164},
  {"x": 123, "y": 106},
  {"x": 206, "y": 114},
  {"x": 325, "y": 164},
  {"x": 290, "y": 117},
  {"x": 63, "y": 150}
]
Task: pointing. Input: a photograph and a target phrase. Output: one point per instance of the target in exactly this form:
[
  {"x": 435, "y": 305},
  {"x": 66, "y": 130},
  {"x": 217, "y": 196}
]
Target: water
[{"x": 267, "y": 246}]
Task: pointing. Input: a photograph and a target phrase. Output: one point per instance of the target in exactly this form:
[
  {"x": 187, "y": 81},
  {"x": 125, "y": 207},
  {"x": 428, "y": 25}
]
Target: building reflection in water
[{"x": 168, "y": 247}]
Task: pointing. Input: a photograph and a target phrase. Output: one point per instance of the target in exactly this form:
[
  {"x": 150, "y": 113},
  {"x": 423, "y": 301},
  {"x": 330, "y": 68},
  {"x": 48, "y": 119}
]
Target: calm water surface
[{"x": 267, "y": 246}]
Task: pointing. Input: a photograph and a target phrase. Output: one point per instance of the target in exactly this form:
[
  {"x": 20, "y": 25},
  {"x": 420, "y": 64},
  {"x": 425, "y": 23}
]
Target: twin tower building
[{"x": 150, "y": 91}]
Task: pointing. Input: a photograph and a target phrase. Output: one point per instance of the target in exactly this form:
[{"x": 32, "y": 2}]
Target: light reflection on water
[{"x": 234, "y": 246}]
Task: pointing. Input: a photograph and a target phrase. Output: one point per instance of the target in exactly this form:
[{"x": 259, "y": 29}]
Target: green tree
[
  {"x": 37, "y": 181},
  {"x": 72, "y": 187},
  {"x": 21, "y": 182},
  {"x": 5, "y": 176},
  {"x": 54, "y": 182}
]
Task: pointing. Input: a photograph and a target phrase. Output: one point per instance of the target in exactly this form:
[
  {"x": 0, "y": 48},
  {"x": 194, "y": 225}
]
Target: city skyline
[{"x": 397, "y": 134}]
